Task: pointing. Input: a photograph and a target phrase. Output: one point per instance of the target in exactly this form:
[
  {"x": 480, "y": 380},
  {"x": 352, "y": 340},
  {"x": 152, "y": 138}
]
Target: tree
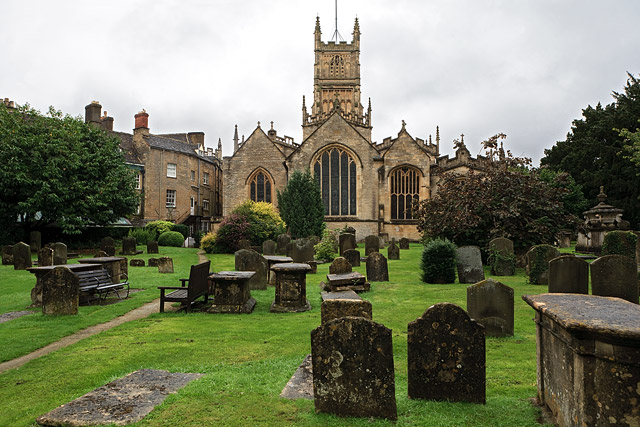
[
  {"x": 58, "y": 170},
  {"x": 507, "y": 198},
  {"x": 300, "y": 205},
  {"x": 596, "y": 152}
]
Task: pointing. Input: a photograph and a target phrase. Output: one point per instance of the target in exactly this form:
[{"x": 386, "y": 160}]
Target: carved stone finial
[
  {"x": 258, "y": 123},
  {"x": 403, "y": 124},
  {"x": 602, "y": 196}
]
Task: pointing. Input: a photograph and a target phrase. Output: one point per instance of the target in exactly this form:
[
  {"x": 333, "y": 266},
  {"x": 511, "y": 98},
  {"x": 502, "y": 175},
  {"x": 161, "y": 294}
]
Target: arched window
[
  {"x": 405, "y": 191},
  {"x": 336, "y": 67},
  {"x": 335, "y": 171},
  {"x": 260, "y": 186}
]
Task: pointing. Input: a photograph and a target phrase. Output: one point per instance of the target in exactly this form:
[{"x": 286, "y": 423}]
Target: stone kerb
[
  {"x": 393, "y": 251},
  {"x": 490, "y": 303},
  {"x": 353, "y": 373},
  {"x": 442, "y": 365},
  {"x": 568, "y": 274},
  {"x": 377, "y": 269},
  {"x": 615, "y": 276},
  {"x": 250, "y": 260},
  {"x": 21, "y": 256},
  {"x": 371, "y": 244},
  {"x": 347, "y": 242},
  {"x": 504, "y": 264},
  {"x": 353, "y": 256},
  {"x": 60, "y": 292},
  {"x": 469, "y": 264},
  {"x": 538, "y": 258}
]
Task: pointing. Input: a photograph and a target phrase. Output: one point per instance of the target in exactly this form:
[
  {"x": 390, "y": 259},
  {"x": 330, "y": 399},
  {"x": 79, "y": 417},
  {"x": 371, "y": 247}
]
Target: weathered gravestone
[
  {"x": 268, "y": 247},
  {"x": 615, "y": 276},
  {"x": 302, "y": 251},
  {"x": 490, "y": 303},
  {"x": 353, "y": 372},
  {"x": 568, "y": 274},
  {"x": 404, "y": 243},
  {"x": 136, "y": 262},
  {"x": 314, "y": 266},
  {"x": 152, "y": 262},
  {"x": 502, "y": 257},
  {"x": 249, "y": 260},
  {"x": 347, "y": 241},
  {"x": 59, "y": 253},
  {"x": 60, "y": 292},
  {"x": 291, "y": 288},
  {"x": 35, "y": 241},
  {"x": 165, "y": 265},
  {"x": 7, "y": 255},
  {"x": 340, "y": 265},
  {"x": 377, "y": 270},
  {"x": 108, "y": 245},
  {"x": 350, "y": 230},
  {"x": 443, "y": 365},
  {"x": 371, "y": 244},
  {"x": 152, "y": 247},
  {"x": 353, "y": 256},
  {"x": 244, "y": 244},
  {"x": 100, "y": 254},
  {"x": 538, "y": 258},
  {"x": 564, "y": 239},
  {"x": 342, "y": 304},
  {"x": 129, "y": 246},
  {"x": 314, "y": 240},
  {"x": 283, "y": 243},
  {"x": 45, "y": 257},
  {"x": 393, "y": 251},
  {"x": 21, "y": 256},
  {"x": 469, "y": 264}
]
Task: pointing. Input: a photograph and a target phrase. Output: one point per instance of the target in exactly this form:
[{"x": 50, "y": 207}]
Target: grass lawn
[{"x": 247, "y": 359}]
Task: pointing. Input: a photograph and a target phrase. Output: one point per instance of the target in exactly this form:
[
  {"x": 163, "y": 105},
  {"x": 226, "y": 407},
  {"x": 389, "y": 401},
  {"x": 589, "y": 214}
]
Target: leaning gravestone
[
  {"x": 377, "y": 270},
  {"x": 250, "y": 260},
  {"x": 7, "y": 255},
  {"x": 469, "y": 264},
  {"x": 35, "y": 241},
  {"x": 538, "y": 259},
  {"x": 60, "y": 292},
  {"x": 371, "y": 244},
  {"x": 283, "y": 243},
  {"x": 393, "y": 251},
  {"x": 59, "y": 253},
  {"x": 129, "y": 246},
  {"x": 108, "y": 245},
  {"x": 152, "y": 247},
  {"x": 490, "y": 303},
  {"x": 347, "y": 241},
  {"x": 165, "y": 265},
  {"x": 353, "y": 372},
  {"x": 615, "y": 276},
  {"x": 568, "y": 274},
  {"x": 443, "y": 365},
  {"x": 45, "y": 257},
  {"x": 404, "y": 243},
  {"x": 504, "y": 263},
  {"x": 353, "y": 256},
  {"x": 302, "y": 250},
  {"x": 268, "y": 247},
  {"x": 21, "y": 256},
  {"x": 340, "y": 265}
]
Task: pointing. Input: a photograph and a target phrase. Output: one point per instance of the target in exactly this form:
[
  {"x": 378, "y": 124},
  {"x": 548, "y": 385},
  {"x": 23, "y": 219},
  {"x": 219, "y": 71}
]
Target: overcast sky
[{"x": 523, "y": 67}]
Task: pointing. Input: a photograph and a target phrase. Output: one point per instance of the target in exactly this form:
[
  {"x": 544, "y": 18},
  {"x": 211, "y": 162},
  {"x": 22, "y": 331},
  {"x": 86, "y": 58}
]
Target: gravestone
[
  {"x": 538, "y": 258},
  {"x": 21, "y": 256},
  {"x": 443, "y": 365},
  {"x": 346, "y": 241},
  {"x": 60, "y": 292},
  {"x": 340, "y": 265},
  {"x": 124, "y": 268},
  {"x": 244, "y": 244},
  {"x": 353, "y": 374},
  {"x": 469, "y": 264},
  {"x": 165, "y": 265},
  {"x": 152, "y": 262},
  {"x": 342, "y": 304},
  {"x": 101, "y": 254},
  {"x": 129, "y": 246},
  {"x": 568, "y": 274},
  {"x": 615, "y": 276},
  {"x": 504, "y": 265},
  {"x": 490, "y": 303},
  {"x": 283, "y": 243},
  {"x": 302, "y": 251},
  {"x": 377, "y": 270},
  {"x": 314, "y": 240},
  {"x": 136, "y": 262},
  {"x": 393, "y": 251},
  {"x": 404, "y": 243},
  {"x": 564, "y": 239},
  {"x": 314, "y": 266},
  {"x": 108, "y": 245},
  {"x": 290, "y": 248},
  {"x": 268, "y": 247},
  {"x": 350, "y": 230},
  {"x": 152, "y": 247},
  {"x": 7, "y": 255},
  {"x": 371, "y": 244},
  {"x": 45, "y": 257},
  {"x": 59, "y": 253},
  {"x": 291, "y": 288},
  {"x": 35, "y": 241},
  {"x": 353, "y": 256},
  {"x": 250, "y": 260}
]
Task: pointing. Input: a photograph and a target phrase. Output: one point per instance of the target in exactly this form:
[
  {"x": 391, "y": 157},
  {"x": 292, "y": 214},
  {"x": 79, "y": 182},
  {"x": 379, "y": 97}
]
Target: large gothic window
[
  {"x": 335, "y": 172},
  {"x": 405, "y": 190},
  {"x": 260, "y": 186}
]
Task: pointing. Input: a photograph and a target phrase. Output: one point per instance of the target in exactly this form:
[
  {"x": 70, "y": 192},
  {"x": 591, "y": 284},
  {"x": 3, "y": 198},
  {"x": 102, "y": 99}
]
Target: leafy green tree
[
  {"x": 58, "y": 170},
  {"x": 595, "y": 153},
  {"x": 300, "y": 205},
  {"x": 573, "y": 200}
]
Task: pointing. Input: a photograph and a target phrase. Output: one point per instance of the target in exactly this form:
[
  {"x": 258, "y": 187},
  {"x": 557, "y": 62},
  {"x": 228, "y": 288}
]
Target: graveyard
[{"x": 245, "y": 360}]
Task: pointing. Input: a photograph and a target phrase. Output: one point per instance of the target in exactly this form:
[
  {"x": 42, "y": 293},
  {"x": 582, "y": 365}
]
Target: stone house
[{"x": 367, "y": 185}]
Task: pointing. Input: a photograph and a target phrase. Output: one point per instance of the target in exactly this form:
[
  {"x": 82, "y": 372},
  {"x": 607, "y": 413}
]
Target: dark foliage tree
[
  {"x": 58, "y": 170},
  {"x": 596, "y": 152},
  {"x": 300, "y": 205},
  {"x": 507, "y": 198}
]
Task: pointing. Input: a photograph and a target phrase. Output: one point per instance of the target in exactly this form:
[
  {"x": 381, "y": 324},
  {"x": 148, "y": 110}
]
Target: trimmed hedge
[
  {"x": 439, "y": 261},
  {"x": 171, "y": 238}
]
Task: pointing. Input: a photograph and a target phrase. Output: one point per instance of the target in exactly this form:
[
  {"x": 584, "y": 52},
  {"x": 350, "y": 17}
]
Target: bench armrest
[{"x": 183, "y": 281}]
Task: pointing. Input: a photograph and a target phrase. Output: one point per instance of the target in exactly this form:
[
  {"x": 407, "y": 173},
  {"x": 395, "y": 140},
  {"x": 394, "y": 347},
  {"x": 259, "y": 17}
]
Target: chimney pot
[{"x": 142, "y": 120}]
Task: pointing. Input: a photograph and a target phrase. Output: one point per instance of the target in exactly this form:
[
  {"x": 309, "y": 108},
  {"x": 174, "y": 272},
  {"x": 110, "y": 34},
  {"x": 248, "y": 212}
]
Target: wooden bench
[
  {"x": 197, "y": 286},
  {"x": 98, "y": 282}
]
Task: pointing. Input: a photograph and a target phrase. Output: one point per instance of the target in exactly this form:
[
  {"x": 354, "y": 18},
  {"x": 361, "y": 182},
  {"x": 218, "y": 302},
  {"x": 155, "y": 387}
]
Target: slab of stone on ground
[
  {"x": 343, "y": 282},
  {"x": 300, "y": 386}
]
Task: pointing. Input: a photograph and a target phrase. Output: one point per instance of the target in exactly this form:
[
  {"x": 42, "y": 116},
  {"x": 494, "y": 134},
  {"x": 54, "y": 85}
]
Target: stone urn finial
[{"x": 601, "y": 196}]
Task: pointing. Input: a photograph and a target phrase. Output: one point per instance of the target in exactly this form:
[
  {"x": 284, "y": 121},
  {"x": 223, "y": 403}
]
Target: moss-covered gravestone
[
  {"x": 371, "y": 244},
  {"x": 620, "y": 243},
  {"x": 404, "y": 243},
  {"x": 502, "y": 257},
  {"x": 538, "y": 258},
  {"x": 377, "y": 268},
  {"x": 340, "y": 265},
  {"x": 45, "y": 257},
  {"x": 393, "y": 251},
  {"x": 615, "y": 276},
  {"x": 60, "y": 292},
  {"x": 152, "y": 247},
  {"x": 353, "y": 256}
]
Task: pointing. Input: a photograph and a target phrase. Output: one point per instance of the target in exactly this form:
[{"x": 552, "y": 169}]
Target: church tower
[{"x": 336, "y": 85}]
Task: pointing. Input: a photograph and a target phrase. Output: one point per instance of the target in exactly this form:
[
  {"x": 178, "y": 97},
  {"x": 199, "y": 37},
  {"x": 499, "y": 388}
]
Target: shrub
[
  {"x": 142, "y": 235},
  {"x": 301, "y": 207},
  {"x": 439, "y": 261},
  {"x": 182, "y": 229},
  {"x": 159, "y": 227},
  {"x": 171, "y": 238},
  {"x": 264, "y": 219},
  {"x": 233, "y": 228},
  {"x": 328, "y": 247},
  {"x": 620, "y": 243},
  {"x": 208, "y": 242}
]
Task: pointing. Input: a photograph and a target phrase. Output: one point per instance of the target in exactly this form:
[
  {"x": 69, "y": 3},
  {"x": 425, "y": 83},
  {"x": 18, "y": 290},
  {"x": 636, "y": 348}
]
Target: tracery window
[
  {"x": 260, "y": 186},
  {"x": 336, "y": 66},
  {"x": 405, "y": 190},
  {"x": 335, "y": 172}
]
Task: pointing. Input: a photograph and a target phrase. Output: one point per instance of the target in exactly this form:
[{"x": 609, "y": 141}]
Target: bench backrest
[
  {"x": 93, "y": 278},
  {"x": 198, "y": 280}
]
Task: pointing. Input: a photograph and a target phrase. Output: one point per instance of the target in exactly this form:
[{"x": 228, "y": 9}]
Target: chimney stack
[
  {"x": 142, "y": 123},
  {"x": 92, "y": 113},
  {"x": 107, "y": 122}
]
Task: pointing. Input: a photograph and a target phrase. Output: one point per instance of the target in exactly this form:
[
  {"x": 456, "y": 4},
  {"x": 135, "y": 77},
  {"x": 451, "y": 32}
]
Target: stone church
[{"x": 366, "y": 185}]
